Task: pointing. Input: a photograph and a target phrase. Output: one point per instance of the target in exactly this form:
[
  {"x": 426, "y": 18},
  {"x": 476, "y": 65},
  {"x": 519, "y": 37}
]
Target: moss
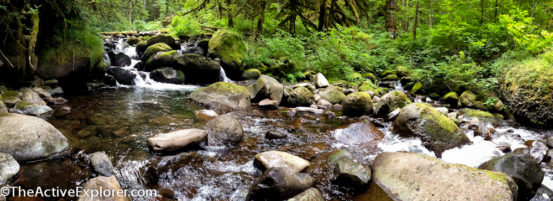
[
  {"x": 152, "y": 50},
  {"x": 357, "y": 103},
  {"x": 22, "y": 105},
  {"x": 77, "y": 44},
  {"x": 390, "y": 77},
  {"x": 436, "y": 123},
  {"x": 225, "y": 87},
  {"x": 369, "y": 76},
  {"x": 251, "y": 74},
  {"x": 141, "y": 46},
  {"x": 133, "y": 41},
  {"x": 477, "y": 113},
  {"x": 416, "y": 88},
  {"x": 333, "y": 95},
  {"x": 402, "y": 71},
  {"x": 161, "y": 38},
  {"x": 451, "y": 96},
  {"x": 367, "y": 85},
  {"x": 11, "y": 93},
  {"x": 229, "y": 46}
]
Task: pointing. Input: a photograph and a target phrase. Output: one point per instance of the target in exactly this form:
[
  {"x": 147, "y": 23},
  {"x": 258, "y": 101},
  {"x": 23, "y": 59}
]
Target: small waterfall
[
  {"x": 399, "y": 87},
  {"x": 223, "y": 75}
]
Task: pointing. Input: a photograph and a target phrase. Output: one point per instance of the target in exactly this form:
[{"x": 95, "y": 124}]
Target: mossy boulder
[
  {"x": 451, "y": 98},
  {"x": 477, "y": 114},
  {"x": 168, "y": 75},
  {"x": 163, "y": 38},
  {"x": 333, "y": 94},
  {"x": 300, "y": 96},
  {"x": 369, "y": 76},
  {"x": 368, "y": 85},
  {"x": 416, "y": 88},
  {"x": 437, "y": 132},
  {"x": 223, "y": 96},
  {"x": 161, "y": 59},
  {"x": 251, "y": 74},
  {"x": 11, "y": 97},
  {"x": 410, "y": 176},
  {"x": 132, "y": 41},
  {"x": 391, "y": 101},
  {"x": 402, "y": 71},
  {"x": 469, "y": 99},
  {"x": 357, "y": 104},
  {"x": 230, "y": 47},
  {"x": 141, "y": 47},
  {"x": 3, "y": 109},
  {"x": 198, "y": 69},
  {"x": 153, "y": 49}
]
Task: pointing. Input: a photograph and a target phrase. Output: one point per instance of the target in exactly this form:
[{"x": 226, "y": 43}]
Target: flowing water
[{"x": 118, "y": 121}]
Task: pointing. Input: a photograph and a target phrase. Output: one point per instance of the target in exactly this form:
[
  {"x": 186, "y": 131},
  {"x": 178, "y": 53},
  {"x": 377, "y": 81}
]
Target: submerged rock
[
  {"x": 168, "y": 75},
  {"x": 320, "y": 81},
  {"x": 29, "y": 138},
  {"x": 272, "y": 159},
  {"x": 357, "y": 104},
  {"x": 223, "y": 96},
  {"x": 409, "y": 176},
  {"x": 267, "y": 87},
  {"x": 224, "y": 130},
  {"x": 8, "y": 168},
  {"x": 358, "y": 133},
  {"x": 311, "y": 194},
  {"x": 205, "y": 115},
  {"x": 333, "y": 94},
  {"x": 347, "y": 172},
  {"x": 437, "y": 132},
  {"x": 177, "y": 140},
  {"x": 101, "y": 164},
  {"x": 524, "y": 169},
  {"x": 279, "y": 184},
  {"x": 100, "y": 184}
]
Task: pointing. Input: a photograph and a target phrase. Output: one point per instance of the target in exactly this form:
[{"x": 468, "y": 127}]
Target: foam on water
[
  {"x": 473, "y": 154},
  {"x": 395, "y": 143}
]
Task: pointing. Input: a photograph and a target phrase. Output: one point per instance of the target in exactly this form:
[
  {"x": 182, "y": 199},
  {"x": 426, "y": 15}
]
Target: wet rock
[
  {"x": 121, "y": 75},
  {"x": 390, "y": 101},
  {"x": 230, "y": 47},
  {"x": 29, "y": 138},
  {"x": 154, "y": 49},
  {"x": 280, "y": 184},
  {"x": 198, "y": 69},
  {"x": 3, "y": 109},
  {"x": 332, "y": 94},
  {"x": 266, "y": 87},
  {"x": 273, "y": 159},
  {"x": 30, "y": 96},
  {"x": 273, "y": 134},
  {"x": 543, "y": 194},
  {"x": 299, "y": 96},
  {"x": 268, "y": 104},
  {"x": 163, "y": 38},
  {"x": 119, "y": 59},
  {"x": 480, "y": 128},
  {"x": 442, "y": 110},
  {"x": 437, "y": 132},
  {"x": 469, "y": 99},
  {"x": 307, "y": 85},
  {"x": 101, "y": 164},
  {"x": 410, "y": 176},
  {"x": 205, "y": 115},
  {"x": 177, "y": 140},
  {"x": 48, "y": 97},
  {"x": 168, "y": 75},
  {"x": 525, "y": 171},
  {"x": 358, "y": 133},
  {"x": 141, "y": 47},
  {"x": 223, "y": 96},
  {"x": 324, "y": 104},
  {"x": 158, "y": 60},
  {"x": 347, "y": 172},
  {"x": 549, "y": 142},
  {"x": 538, "y": 150},
  {"x": 320, "y": 81},
  {"x": 24, "y": 107},
  {"x": 311, "y": 194},
  {"x": 100, "y": 184},
  {"x": 8, "y": 167},
  {"x": 308, "y": 110},
  {"x": 10, "y": 98},
  {"x": 251, "y": 74},
  {"x": 451, "y": 98},
  {"x": 357, "y": 104},
  {"x": 393, "y": 115},
  {"x": 224, "y": 130},
  {"x": 169, "y": 164}
]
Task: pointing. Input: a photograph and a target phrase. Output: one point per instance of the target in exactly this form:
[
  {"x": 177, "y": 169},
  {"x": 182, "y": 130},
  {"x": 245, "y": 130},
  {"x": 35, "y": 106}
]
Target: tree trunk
[
  {"x": 391, "y": 9},
  {"x": 229, "y": 14},
  {"x": 167, "y": 2},
  {"x": 482, "y": 12},
  {"x": 495, "y": 12},
  {"x": 415, "y": 22},
  {"x": 534, "y": 4},
  {"x": 322, "y": 16},
  {"x": 260, "y": 21},
  {"x": 130, "y": 11},
  {"x": 431, "y": 18}
]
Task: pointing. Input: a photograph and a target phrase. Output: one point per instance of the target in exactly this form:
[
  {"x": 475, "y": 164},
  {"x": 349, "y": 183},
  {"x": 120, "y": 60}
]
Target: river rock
[
  {"x": 320, "y": 81},
  {"x": 141, "y": 48},
  {"x": 154, "y": 49},
  {"x": 232, "y": 50},
  {"x": 101, "y": 164},
  {"x": 311, "y": 194},
  {"x": 168, "y": 75},
  {"x": 537, "y": 150},
  {"x": 198, "y": 69},
  {"x": 357, "y": 104},
  {"x": 268, "y": 104},
  {"x": 549, "y": 142},
  {"x": 223, "y": 96},
  {"x": 119, "y": 59},
  {"x": 469, "y": 99},
  {"x": 177, "y": 140},
  {"x": 24, "y": 107},
  {"x": 275, "y": 134},
  {"x": 347, "y": 172},
  {"x": 123, "y": 76},
  {"x": 29, "y": 138},
  {"x": 524, "y": 169},
  {"x": 437, "y": 132},
  {"x": 266, "y": 87},
  {"x": 224, "y": 130},
  {"x": 3, "y": 109},
  {"x": 160, "y": 59},
  {"x": 30, "y": 96},
  {"x": 251, "y": 74},
  {"x": 8, "y": 168},
  {"x": 451, "y": 98},
  {"x": 390, "y": 101},
  {"x": 332, "y": 94},
  {"x": 205, "y": 115},
  {"x": 104, "y": 184},
  {"x": 163, "y": 38},
  {"x": 324, "y": 104},
  {"x": 280, "y": 184},
  {"x": 271, "y": 159},
  {"x": 10, "y": 98},
  {"x": 299, "y": 96},
  {"x": 409, "y": 176}
]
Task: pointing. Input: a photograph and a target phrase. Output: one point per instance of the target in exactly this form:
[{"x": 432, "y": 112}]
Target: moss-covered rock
[
  {"x": 163, "y": 38},
  {"x": 477, "y": 113},
  {"x": 168, "y": 75},
  {"x": 141, "y": 47},
  {"x": 469, "y": 99},
  {"x": 409, "y": 176},
  {"x": 230, "y": 47},
  {"x": 368, "y": 85},
  {"x": 300, "y": 96},
  {"x": 161, "y": 59},
  {"x": 451, "y": 98},
  {"x": 391, "y": 101},
  {"x": 132, "y": 41},
  {"x": 416, "y": 88},
  {"x": 198, "y": 69},
  {"x": 402, "y": 71},
  {"x": 153, "y": 49},
  {"x": 357, "y": 104},
  {"x": 223, "y": 96},
  {"x": 251, "y": 74},
  {"x": 11, "y": 97},
  {"x": 333, "y": 94},
  {"x": 369, "y": 76},
  {"x": 437, "y": 132},
  {"x": 3, "y": 109}
]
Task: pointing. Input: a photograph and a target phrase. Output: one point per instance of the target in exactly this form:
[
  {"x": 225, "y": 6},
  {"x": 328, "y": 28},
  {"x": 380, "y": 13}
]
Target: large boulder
[
  {"x": 161, "y": 59},
  {"x": 168, "y": 75},
  {"x": 29, "y": 138},
  {"x": 348, "y": 172},
  {"x": 177, "y": 140},
  {"x": 119, "y": 59},
  {"x": 357, "y": 104},
  {"x": 8, "y": 168},
  {"x": 101, "y": 184},
  {"x": 163, "y": 38},
  {"x": 101, "y": 164},
  {"x": 524, "y": 169},
  {"x": 230, "y": 47},
  {"x": 333, "y": 94},
  {"x": 280, "y": 184},
  {"x": 141, "y": 47},
  {"x": 272, "y": 159},
  {"x": 24, "y": 107},
  {"x": 300, "y": 96},
  {"x": 409, "y": 176},
  {"x": 224, "y": 130},
  {"x": 154, "y": 49},
  {"x": 198, "y": 69},
  {"x": 391, "y": 101},
  {"x": 223, "y": 96},
  {"x": 437, "y": 132},
  {"x": 266, "y": 87},
  {"x": 123, "y": 76},
  {"x": 526, "y": 89}
]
